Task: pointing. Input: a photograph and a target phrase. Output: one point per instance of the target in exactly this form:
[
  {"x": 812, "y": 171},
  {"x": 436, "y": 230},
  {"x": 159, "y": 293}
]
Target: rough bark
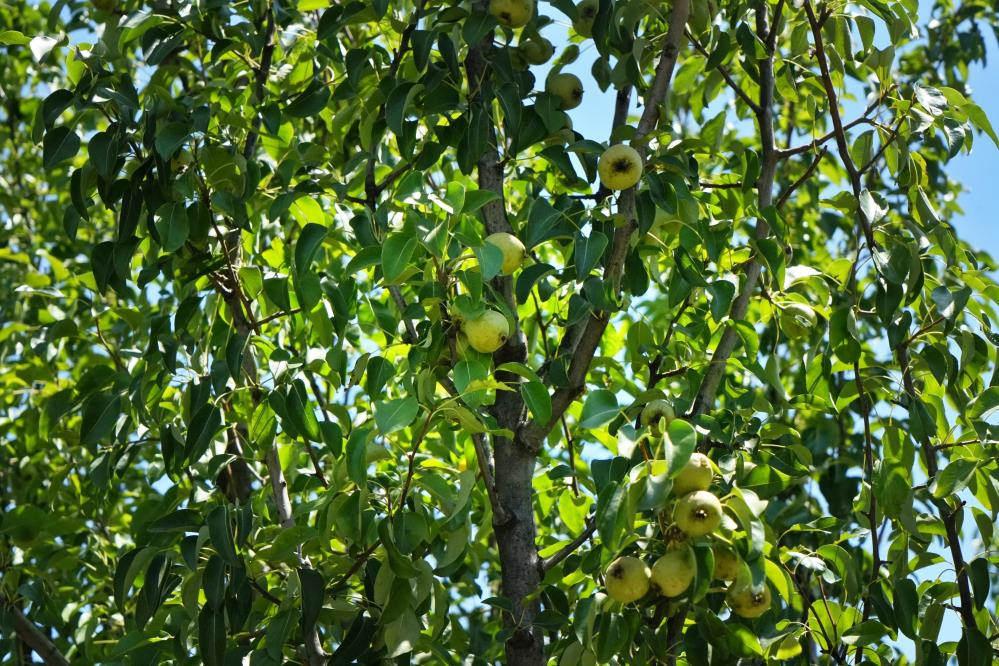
[{"x": 35, "y": 638}]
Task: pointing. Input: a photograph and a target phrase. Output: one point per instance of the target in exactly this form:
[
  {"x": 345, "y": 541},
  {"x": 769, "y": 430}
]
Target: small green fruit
[
  {"x": 674, "y": 572},
  {"x": 695, "y": 475},
  {"x": 653, "y": 412},
  {"x": 567, "y": 88},
  {"x": 627, "y": 579},
  {"x": 797, "y": 320},
  {"x": 698, "y": 513},
  {"x": 726, "y": 562},
  {"x": 487, "y": 332},
  {"x": 586, "y": 14},
  {"x": 620, "y": 167},
  {"x": 745, "y": 601},
  {"x": 536, "y": 51},
  {"x": 511, "y": 247},
  {"x": 512, "y": 13}
]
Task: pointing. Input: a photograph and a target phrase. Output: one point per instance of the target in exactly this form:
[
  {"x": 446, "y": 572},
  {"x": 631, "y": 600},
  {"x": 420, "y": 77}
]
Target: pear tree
[{"x": 495, "y": 331}]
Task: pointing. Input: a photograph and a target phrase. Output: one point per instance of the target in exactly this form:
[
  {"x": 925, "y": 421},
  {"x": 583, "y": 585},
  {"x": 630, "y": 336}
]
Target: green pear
[
  {"x": 620, "y": 167},
  {"x": 797, "y": 320},
  {"x": 698, "y": 513},
  {"x": 487, "y": 332},
  {"x": 586, "y": 14},
  {"x": 627, "y": 579},
  {"x": 653, "y": 412},
  {"x": 727, "y": 564},
  {"x": 674, "y": 572},
  {"x": 695, "y": 475},
  {"x": 512, "y": 13},
  {"x": 511, "y": 247},
  {"x": 747, "y": 601},
  {"x": 567, "y": 88}
]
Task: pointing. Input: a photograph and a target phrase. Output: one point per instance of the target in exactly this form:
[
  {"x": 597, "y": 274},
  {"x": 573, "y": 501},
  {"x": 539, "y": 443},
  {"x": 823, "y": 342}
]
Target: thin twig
[
  {"x": 725, "y": 75},
  {"x": 572, "y": 546}
]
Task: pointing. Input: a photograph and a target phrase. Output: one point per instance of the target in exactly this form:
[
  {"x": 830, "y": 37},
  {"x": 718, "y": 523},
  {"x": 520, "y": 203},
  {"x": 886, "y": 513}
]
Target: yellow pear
[
  {"x": 695, "y": 475},
  {"x": 746, "y": 601},
  {"x": 567, "y": 87},
  {"x": 727, "y": 564},
  {"x": 586, "y": 14},
  {"x": 620, "y": 167},
  {"x": 674, "y": 572},
  {"x": 653, "y": 412},
  {"x": 511, "y": 247},
  {"x": 698, "y": 513},
  {"x": 487, "y": 332},
  {"x": 627, "y": 579},
  {"x": 512, "y": 13}
]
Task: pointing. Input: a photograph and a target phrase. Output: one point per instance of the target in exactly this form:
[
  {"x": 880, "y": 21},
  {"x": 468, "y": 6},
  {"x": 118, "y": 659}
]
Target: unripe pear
[
  {"x": 698, "y": 513},
  {"x": 512, "y": 13},
  {"x": 536, "y": 51},
  {"x": 586, "y": 14},
  {"x": 653, "y": 412},
  {"x": 511, "y": 247},
  {"x": 726, "y": 562},
  {"x": 797, "y": 320},
  {"x": 567, "y": 88},
  {"x": 487, "y": 332},
  {"x": 745, "y": 601},
  {"x": 627, "y": 579},
  {"x": 695, "y": 475},
  {"x": 673, "y": 572},
  {"x": 620, "y": 167}
]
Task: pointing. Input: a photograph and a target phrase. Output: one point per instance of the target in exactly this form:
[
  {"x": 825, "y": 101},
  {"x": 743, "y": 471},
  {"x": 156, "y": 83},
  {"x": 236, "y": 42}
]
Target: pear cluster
[
  {"x": 490, "y": 329},
  {"x": 696, "y": 513}
]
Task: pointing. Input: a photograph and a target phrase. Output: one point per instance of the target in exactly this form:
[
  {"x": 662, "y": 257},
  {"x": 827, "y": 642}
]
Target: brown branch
[
  {"x": 840, "y": 132},
  {"x": 786, "y": 194},
  {"x": 872, "y": 513},
  {"x": 260, "y": 80},
  {"x": 947, "y": 514},
  {"x": 34, "y": 637},
  {"x": 571, "y": 547},
  {"x": 711, "y": 381},
  {"x": 278, "y": 315},
  {"x": 595, "y": 326},
  {"x": 725, "y": 75}
]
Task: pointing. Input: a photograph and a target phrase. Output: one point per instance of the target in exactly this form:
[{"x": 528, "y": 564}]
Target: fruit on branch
[
  {"x": 698, "y": 513},
  {"x": 627, "y": 579},
  {"x": 655, "y": 411},
  {"x": 536, "y": 51},
  {"x": 620, "y": 167},
  {"x": 487, "y": 332},
  {"x": 673, "y": 572},
  {"x": 511, "y": 247},
  {"x": 567, "y": 88},
  {"x": 797, "y": 320},
  {"x": 512, "y": 13},
  {"x": 695, "y": 475},
  {"x": 586, "y": 14},
  {"x": 726, "y": 562},
  {"x": 747, "y": 601}
]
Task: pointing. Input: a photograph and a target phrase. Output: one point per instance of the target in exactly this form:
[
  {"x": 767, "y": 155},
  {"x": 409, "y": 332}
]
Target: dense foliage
[{"x": 248, "y": 407}]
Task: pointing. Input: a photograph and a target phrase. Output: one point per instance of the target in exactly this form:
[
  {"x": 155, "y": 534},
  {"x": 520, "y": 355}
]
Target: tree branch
[
  {"x": 260, "y": 80},
  {"x": 34, "y": 637},
  {"x": 736, "y": 88},
  {"x": 597, "y": 323},
  {"x": 572, "y": 546}
]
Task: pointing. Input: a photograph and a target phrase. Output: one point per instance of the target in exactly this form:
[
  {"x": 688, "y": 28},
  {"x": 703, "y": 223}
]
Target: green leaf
[
  {"x": 679, "y": 442},
  {"x": 181, "y": 520},
  {"x": 953, "y": 478},
  {"x": 100, "y": 413},
  {"x": 599, "y": 408},
  {"x": 357, "y": 448},
  {"x": 172, "y": 226},
  {"x": 588, "y": 250},
  {"x": 396, "y": 255},
  {"x": 213, "y": 583},
  {"x": 61, "y": 143},
  {"x": 220, "y": 531},
  {"x": 309, "y": 242},
  {"x": 313, "y": 593},
  {"x": 984, "y": 405},
  {"x": 103, "y": 152},
  {"x": 211, "y": 636},
  {"x": 538, "y": 400},
  {"x": 401, "y": 565},
  {"x": 13, "y": 38},
  {"x": 392, "y": 415},
  {"x": 170, "y": 138},
  {"x": 204, "y": 426}
]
